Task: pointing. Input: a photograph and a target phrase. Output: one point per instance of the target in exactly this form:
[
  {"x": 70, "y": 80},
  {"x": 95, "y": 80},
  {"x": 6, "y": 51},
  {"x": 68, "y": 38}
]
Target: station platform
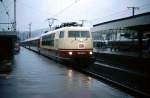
[{"x": 35, "y": 76}]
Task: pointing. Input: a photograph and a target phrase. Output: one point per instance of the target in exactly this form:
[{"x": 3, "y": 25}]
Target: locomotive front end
[{"x": 77, "y": 44}]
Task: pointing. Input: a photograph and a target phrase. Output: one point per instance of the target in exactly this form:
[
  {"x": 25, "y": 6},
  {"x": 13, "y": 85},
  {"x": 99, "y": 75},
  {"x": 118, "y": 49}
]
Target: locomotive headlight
[
  {"x": 90, "y": 52},
  {"x": 70, "y": 53}
]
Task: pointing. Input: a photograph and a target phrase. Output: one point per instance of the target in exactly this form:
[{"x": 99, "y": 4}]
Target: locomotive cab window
[
  {"x": 61, "y": 35},
  {"x": 81, "y": 34}
]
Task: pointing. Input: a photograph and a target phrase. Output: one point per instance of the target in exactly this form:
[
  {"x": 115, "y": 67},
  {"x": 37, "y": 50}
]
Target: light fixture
[
  {"x": 90, "y": 52},
  {"x": 70, "y": 53}
]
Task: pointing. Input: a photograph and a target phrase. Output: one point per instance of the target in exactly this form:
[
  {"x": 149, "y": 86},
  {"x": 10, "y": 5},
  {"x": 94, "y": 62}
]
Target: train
[{"x": 65, "y": 44}]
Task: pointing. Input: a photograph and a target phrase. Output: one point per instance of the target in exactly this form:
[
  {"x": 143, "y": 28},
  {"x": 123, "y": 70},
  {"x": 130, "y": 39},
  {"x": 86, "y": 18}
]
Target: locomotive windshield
[{"x": 82, "y": 34}]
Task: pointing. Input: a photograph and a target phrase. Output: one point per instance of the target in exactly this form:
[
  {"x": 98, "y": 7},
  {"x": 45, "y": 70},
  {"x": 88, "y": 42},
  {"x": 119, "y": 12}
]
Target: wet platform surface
[{"x": 35, "y": 76}]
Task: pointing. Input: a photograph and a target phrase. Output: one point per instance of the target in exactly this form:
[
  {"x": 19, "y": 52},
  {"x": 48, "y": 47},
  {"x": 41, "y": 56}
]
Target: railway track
[{"x": 132, "y": 90}]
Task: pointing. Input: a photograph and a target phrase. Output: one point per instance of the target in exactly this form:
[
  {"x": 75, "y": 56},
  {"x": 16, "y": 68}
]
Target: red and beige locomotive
[{"x": 66, "y": 43}]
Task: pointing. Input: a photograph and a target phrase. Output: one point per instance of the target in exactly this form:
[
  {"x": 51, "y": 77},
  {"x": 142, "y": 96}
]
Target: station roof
[
  {"x": 137, "y": 22},
  {"x": 8, "y": 34}
]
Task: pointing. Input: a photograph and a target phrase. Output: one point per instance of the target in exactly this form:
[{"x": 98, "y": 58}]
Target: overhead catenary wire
[
  {"x": 119, "y": 13},
  {"x": 66, "y": 8},
  {"x": 60, "y": 12}
]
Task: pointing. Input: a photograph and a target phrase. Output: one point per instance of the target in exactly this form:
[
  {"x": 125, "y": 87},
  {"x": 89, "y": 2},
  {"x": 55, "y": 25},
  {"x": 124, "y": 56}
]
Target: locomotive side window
[
  {"x": 48, "y": 40},
  {"x": 81, "y": 34},
  {"x": 61, "y": 35}
]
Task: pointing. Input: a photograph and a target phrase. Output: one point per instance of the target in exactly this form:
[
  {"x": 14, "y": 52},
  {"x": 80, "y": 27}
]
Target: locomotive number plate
[
  {"x": 81, "y": 53},
  {"x": 81, "y": 46}
]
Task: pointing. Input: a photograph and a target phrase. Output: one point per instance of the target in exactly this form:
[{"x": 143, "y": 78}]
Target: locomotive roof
[
  {"x": 61, "y": 29},
  {"x": 67, "y": 28}
]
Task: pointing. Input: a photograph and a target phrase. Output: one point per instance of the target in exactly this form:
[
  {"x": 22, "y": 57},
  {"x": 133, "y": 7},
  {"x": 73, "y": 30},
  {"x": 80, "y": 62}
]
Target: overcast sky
[{"x": 95, "y": 11}]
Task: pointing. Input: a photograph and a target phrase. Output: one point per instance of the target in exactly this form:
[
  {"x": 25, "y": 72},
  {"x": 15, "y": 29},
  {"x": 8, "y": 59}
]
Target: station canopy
[
  {"x": 11, "y": 34},
  {"x": 140, "y": 22}
]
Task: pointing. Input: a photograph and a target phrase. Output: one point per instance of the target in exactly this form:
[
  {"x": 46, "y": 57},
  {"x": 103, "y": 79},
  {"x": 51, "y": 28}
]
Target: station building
[
  {"x": 129, "y": 35},
  {"x": 7, "y": 42}
]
